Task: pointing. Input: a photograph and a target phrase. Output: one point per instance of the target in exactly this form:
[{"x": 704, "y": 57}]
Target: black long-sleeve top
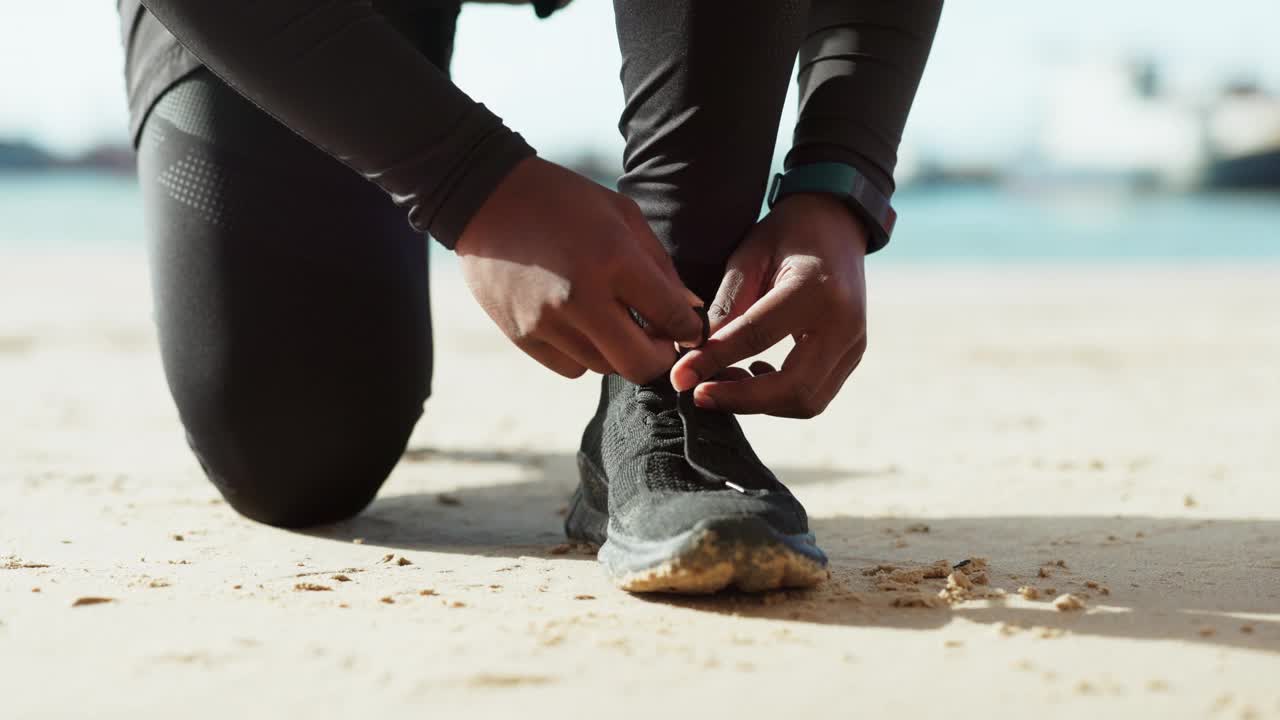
[{"x": 342, "y": 75}]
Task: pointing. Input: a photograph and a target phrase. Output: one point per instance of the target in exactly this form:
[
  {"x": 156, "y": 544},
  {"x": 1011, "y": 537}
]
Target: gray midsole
[{"x": 623, "y": 554}]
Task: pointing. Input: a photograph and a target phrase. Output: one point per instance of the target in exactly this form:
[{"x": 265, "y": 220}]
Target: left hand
[{"x": 799, "y": 272}]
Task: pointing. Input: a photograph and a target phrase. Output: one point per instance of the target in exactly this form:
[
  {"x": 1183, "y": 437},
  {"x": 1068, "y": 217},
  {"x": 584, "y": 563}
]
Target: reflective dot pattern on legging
[
  {"x": 197, "y": 181},
  {"x": 194, "y": 178},
  {"x": 188, "y": 108}
]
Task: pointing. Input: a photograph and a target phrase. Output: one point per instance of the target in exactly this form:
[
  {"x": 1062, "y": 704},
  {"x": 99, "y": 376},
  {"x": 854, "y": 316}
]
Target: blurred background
[{"x": 1142, "y": 130}]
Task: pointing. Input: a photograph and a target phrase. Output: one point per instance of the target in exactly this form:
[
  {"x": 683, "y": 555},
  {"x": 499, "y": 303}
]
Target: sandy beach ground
[{"x": 1112, "y": 432}]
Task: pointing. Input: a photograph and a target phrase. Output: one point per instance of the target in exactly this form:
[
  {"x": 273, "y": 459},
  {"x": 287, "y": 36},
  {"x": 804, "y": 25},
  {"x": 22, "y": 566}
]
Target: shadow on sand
[{"x": 1170, "y": 578}]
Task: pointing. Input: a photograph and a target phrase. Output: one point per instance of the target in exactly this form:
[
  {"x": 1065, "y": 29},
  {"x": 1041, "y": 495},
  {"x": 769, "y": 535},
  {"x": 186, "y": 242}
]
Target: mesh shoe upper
[{"x": 636, "y": 445}]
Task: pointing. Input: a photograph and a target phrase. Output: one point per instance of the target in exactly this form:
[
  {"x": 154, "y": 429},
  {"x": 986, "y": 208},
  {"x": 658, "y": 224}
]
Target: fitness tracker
[{"x": 864, "y": 199}]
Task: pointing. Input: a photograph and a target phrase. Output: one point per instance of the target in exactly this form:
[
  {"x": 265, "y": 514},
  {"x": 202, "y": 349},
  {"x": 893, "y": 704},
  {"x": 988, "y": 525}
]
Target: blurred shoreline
[
  {"x": 26, "y": 157},
  {"x": 77, "y": 210}
]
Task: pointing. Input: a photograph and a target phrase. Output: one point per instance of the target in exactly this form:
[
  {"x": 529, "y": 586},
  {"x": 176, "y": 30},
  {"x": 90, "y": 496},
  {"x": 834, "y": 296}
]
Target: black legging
[
  {"x": 296, "y": 342},
  {"x": 291, "y": 297}
]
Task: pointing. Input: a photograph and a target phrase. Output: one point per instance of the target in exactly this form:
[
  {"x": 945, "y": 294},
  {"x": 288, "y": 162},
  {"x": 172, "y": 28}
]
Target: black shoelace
[
  {"x": 697, "y": 447},
  {"x": 676, "y": 420}
]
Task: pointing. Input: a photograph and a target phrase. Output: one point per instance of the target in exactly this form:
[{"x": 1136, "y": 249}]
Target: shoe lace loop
[{"x": 670, "y": 416}]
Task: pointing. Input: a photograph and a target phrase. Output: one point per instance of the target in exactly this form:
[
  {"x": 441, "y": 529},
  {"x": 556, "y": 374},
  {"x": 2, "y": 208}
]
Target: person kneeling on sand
[{"x": 291, "y": 296}]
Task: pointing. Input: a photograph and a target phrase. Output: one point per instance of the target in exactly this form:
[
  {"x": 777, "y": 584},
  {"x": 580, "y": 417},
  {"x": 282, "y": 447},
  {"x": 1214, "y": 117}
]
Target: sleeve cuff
[{"x": 490, "y": 161}]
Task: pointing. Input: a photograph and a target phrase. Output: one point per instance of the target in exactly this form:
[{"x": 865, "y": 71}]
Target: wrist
[
  {"x": 828, "y": 216},
  {"x": 502, "y": 203},
  {"x": 866, "y": 201},
  {"x": 486, "y": 183}
]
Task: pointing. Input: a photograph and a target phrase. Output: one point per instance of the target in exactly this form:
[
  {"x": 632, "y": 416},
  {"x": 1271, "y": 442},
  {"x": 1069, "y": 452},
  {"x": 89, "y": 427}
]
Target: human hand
[
  {"x": 799, "y": 272},
  {"x": 556, "y": 260}
]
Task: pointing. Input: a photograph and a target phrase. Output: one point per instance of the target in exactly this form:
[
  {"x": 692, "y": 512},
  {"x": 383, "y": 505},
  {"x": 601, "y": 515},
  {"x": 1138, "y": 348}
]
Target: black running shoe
[{"x": 680, "y": 503}]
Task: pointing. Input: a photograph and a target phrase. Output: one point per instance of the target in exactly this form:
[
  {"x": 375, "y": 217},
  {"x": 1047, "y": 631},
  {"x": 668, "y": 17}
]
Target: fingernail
[
  {"x": 706, "y": 402},
  {"x": 683, "y": 378}
]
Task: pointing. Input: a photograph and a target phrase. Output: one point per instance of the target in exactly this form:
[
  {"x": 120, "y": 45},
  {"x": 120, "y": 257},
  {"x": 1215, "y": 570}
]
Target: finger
[
  {"x": 552, "y": 358},
  {"x": 662, "y": 301},
  {"x": 799, "y": 389},
  {"x": 732, "y": 297},
  {"x": 732, "y": 374},
  {"x": 741, "y": 286},
  {"x": 775, "y": 316},
  {"x": 840, "y": 375},
  {"x": 577, "y": 347},
  {"x": 628, "y": 350}
]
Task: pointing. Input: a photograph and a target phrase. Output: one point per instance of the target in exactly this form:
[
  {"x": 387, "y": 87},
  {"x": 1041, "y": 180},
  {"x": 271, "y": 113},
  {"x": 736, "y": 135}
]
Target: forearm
[
  {"x": 341, "y": 76},
  {"x": 859, "y": 68}
]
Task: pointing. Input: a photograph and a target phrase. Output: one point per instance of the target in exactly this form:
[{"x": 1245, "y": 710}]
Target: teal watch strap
[{"x": 864, "y": 199}]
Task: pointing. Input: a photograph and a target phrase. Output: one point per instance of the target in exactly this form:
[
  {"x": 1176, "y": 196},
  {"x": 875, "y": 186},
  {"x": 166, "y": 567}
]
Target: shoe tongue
[
  {"x": 657, "y": 393},
  {"x": 696, "y": 426},
  {"x": 710, "y": 439}
]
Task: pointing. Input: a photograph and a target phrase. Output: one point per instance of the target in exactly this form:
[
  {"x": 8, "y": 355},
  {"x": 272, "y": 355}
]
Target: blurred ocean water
[{"x": 70, "y": 212}]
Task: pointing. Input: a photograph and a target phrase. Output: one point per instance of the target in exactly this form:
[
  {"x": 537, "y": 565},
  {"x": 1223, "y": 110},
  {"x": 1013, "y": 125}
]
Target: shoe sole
[{"x": 717, "y": 554}]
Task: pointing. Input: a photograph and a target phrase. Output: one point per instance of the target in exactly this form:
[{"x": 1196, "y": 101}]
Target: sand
[{"x": 1022, "y": 414}]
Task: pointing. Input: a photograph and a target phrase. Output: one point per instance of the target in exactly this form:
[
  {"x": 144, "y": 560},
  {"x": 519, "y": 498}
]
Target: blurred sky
[{"x": 994, "y": 63}]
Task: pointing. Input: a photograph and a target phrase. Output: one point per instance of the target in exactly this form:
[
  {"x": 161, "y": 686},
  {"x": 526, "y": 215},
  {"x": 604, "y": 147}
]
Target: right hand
[{"x": 556, "y": 260}]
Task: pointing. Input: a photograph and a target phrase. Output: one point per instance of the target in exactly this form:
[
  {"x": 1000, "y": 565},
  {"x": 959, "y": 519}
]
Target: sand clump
[
  {"x": 1097, "y": 586},
  {"x": 1068, "y": 603},
  {"x": 967, "y": 580},
  {"x": 892, "y": 577},
  {"x": 311, "y": 587}
]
